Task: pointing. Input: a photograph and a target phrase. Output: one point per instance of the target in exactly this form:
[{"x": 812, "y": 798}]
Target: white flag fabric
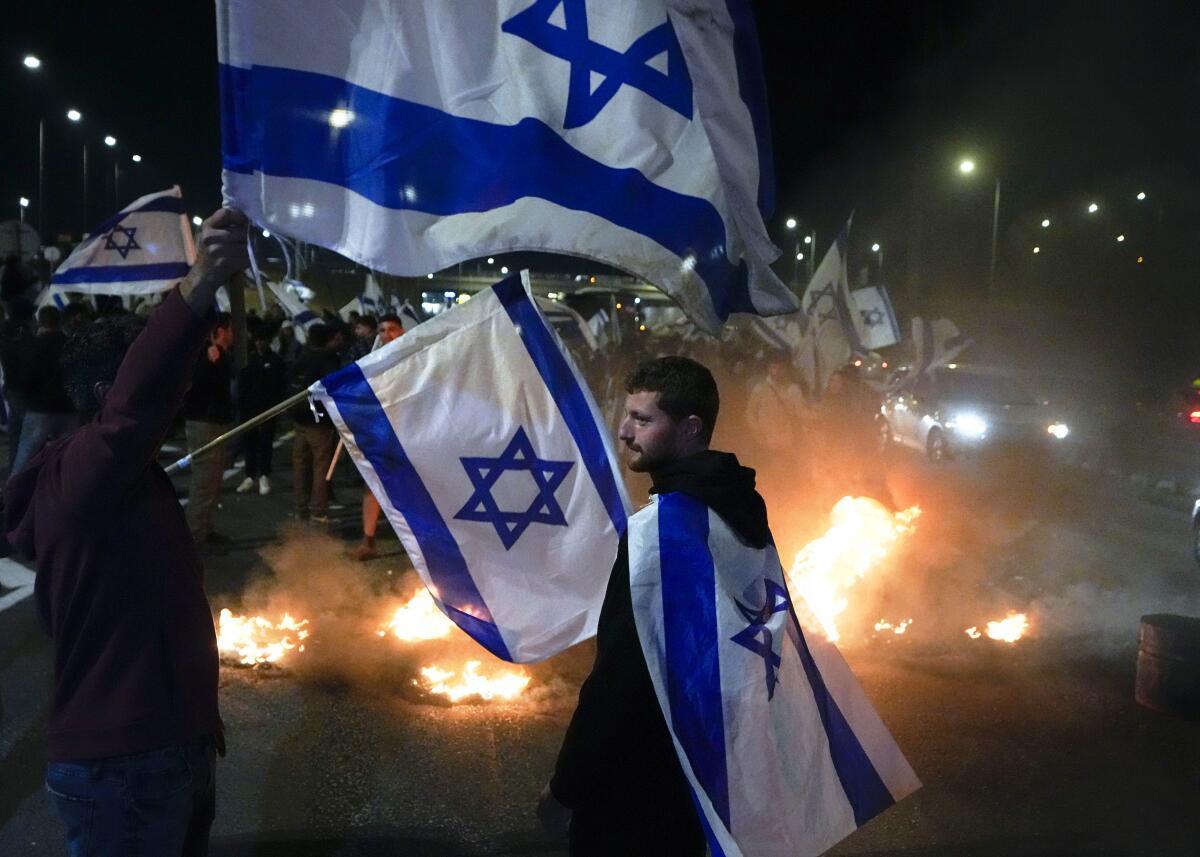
[
  {"x": 55, "y": 296},
  {"x": 412, "y": 136},
  {"x": 830, "y": 338},
  {"x": 568, "y": 324},
  {"x": 873, "y": 317},
  {"x": 146, "y": 247},
  {"x": 409, "y": 317},
  {"x": 487, "y": 453},
  {"x": 782, "y": 749},
  {"x": 301, "y": 317},
  {"x": 935, "y": 344},
  {"x": 370, "y": 302}
]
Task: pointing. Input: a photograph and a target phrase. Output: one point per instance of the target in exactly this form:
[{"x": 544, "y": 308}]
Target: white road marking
[{"x": 18, "y": 578}]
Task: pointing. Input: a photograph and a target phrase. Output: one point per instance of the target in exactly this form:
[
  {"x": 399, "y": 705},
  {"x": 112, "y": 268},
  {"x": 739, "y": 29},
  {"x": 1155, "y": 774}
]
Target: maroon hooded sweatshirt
[{"x": 119, "y": 583}]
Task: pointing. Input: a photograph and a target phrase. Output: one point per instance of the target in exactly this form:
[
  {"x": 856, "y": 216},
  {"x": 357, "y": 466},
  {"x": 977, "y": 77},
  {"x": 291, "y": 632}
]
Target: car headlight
[
  {"x": 968, "y": 425},
  {"x": 1058, "y": 430}
]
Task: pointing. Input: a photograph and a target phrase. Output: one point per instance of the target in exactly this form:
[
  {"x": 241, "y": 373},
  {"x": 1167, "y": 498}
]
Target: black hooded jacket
[{"x": 617, "y": 755}]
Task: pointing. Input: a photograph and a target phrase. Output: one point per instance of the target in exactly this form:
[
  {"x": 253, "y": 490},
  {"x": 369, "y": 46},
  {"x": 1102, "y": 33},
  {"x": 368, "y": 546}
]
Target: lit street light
[
  {"x": 1046, "y": 223},
  {"x": 791, "y": 223},
  {"x": 1141, "y": 195},
  {"x": 1120, "y": 239},
  {"x": 110, "y": 141},
  {"x": 967, "y": 166},
  {"x": 1093, "y": 208},
  {"x": 23, "y": 202},
  {"x": 137, "y": 159},
  {"x": 32, "y": 62},
  {"x": 878, "y": 250},
  {"x": 1037, "y": 250},
  {"x": 491, "y": 260},
  {"x": 504, "y": 269},
  {"x": 808, "y": 239},
  {"x": 196, "y": 221},
  {"x": 74, "y": 115},
  {"x": 799, "y": 257},
  {"x": 874, "y": 248}
]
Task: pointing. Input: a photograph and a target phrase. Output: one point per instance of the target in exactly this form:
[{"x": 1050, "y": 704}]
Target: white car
[{"x": 958, "y": 409}]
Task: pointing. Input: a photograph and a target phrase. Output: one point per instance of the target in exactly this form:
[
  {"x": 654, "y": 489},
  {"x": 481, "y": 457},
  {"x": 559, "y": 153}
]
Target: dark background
[{"x": 873, "y": 105}]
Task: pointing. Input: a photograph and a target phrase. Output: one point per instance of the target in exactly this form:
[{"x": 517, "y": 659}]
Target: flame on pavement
[
  {"x": 1006, "y": 630},
  {"x": 253, "y": 640},
  {"x": 469, "y": 683},
  {"x": 861, "y": 535},
  {"x": 418, "y": 619},
  {"x": 898, "y": 628}
]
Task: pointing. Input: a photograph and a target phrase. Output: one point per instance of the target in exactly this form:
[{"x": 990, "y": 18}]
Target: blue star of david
[
  {"x": 130, "y": 242},
  {"x": 613, "y": 69},
  {"x": 872, "y": 317},
  {"x": 814, "y": 301},
  {"x": 485, "y": 472},
  {"x": 757, "y": 636}
]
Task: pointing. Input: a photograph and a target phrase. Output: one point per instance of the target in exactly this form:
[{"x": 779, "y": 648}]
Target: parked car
[{"x": 960, "y": 409}]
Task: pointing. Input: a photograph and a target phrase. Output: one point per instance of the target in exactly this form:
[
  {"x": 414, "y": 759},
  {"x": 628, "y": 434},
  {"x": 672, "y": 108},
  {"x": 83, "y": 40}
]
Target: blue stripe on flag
[
  {"x": 753, "y": 90},
  {"x": 567, "y": 394},
  {"x": 865, "y": 791},
  {"x": 455, "y": 165},
  {"x": 689, "y": 606},
  {"x": 364, "y": 417},
  {"x": 891, "y": 313},
  {"x": 121, "y": 273},
  {"x": 170, "y": 204},
  {"x": 305, "y": 317}
]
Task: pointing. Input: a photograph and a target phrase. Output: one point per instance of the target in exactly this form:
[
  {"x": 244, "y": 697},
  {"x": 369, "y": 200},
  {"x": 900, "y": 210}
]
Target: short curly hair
[
  {"x": 684, "y": 388},
  {"x": 94, "y": 356}
]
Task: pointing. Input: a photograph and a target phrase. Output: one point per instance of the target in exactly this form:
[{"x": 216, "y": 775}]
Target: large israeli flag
[
  {"x": 488, "y": 455},
  {"x": 784, "y": 753},
  {"x": 146, "y": 247},
  {"x": 410, "y": 135}
]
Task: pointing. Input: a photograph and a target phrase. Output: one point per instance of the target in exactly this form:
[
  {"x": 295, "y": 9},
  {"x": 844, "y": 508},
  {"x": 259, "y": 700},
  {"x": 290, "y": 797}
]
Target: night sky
[{"x": 873, "y": 105}]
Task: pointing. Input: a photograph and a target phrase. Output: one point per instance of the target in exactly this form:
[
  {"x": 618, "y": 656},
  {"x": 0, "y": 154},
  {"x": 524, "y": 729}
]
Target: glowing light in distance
[
  {"x": 340, "y": 118},
  {"x": 1037, "y": 250},
  {"x": 1058, "y": 430},
  {"x": 74, "y": 115},
  {"x": 791, "y": 223},
  {"x": 1141, "y": 195},
  {"x": 1120, "y": 238},
  {"x": 196, "y": 221},
  {"x": 266, "y": 233},
  {"x": 966, "y": 166},
  {"x": 799, "y": 257},
  {"x": 504, "y": 269},
  {"x": 137, "y": 159},
  {"x": 491, "y": 260},
  {"x": 874, "y": 248},
  {"x": 24, "y": 202},
  {"x": 110, "y": 141},
  {"x": 1046, "y": 223},
  {"x": 1093, "y": 208}
]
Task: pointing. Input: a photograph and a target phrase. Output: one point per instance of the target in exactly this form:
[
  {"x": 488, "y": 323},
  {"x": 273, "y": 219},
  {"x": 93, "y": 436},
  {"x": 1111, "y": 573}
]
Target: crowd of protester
[{"x": 37, "y": 409}]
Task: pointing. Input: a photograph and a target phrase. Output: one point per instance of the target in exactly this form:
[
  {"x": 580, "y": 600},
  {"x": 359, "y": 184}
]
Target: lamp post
[
  {"x": 966, "y": 166},
  {"x": 111, "y": 142},
  {"x": 34, "y": 64},
  {"x": 877, "y": 249},
  {"x": 22, "y": 203}
]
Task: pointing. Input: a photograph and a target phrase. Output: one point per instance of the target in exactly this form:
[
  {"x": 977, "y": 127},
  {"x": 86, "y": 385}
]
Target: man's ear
[
  {"x": 100, "y": 391},
  {"x": 692, "y": 427}
]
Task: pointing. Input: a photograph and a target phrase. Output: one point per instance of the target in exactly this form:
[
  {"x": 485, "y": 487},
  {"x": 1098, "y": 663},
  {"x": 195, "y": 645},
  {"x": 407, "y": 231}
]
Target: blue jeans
[{"x": 157, "y": 804}]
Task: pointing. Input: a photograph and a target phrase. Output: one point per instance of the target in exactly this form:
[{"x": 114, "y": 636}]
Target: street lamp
[
  {"x": 1037, "y": 250},
  {"x": 1141, "y": 195},
  {"x": 23, "y": 202},
  {"x": 1093, "y": 208},
  {"x": 791, "y": 223},
  {"x": 1046, "y": 223},
  {"x": 878, "y": 251},
  {"x": 110, "y": 141},
  {"x": 967, "y": 166},
  {"x": 137, "y": 159},
  {"x": 504, "y": 269},
  {"x": 74, "y": 115},
  {"x": 1120, "y": 239},
  {"x": 32, "y": 62},
  {"x": 196, "y": 221}
]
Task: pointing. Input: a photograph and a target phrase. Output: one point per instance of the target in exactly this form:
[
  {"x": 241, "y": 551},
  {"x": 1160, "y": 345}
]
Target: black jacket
[
  {"x": 617, "y": 755},
  {"x": 261, "y": 383},
  {"x": 311, "y": 366},
  {"x": 43, "y": 381},
  {"x": 210, "y": 398}
]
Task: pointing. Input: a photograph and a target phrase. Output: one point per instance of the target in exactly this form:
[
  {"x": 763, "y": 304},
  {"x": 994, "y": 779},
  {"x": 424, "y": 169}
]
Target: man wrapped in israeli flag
[
  {"x": 710, "y": 717},
  {"x": 484, "y": 448},
  {"x": 410, "y": 135}
]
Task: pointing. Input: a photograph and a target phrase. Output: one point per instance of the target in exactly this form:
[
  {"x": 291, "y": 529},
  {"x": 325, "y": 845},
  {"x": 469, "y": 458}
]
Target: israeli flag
[
  {"x": 370, "y": 302},
  {"x": 935, "y": 344},
  {"x": 410, "y": 136},
  {"x": 487, "y": 453},
  {"x": 144, "y": 248},
  {"x": 873, "y": 317},
  {"x": 301, "y": 317},
  {"x": 783, "y": 752}
]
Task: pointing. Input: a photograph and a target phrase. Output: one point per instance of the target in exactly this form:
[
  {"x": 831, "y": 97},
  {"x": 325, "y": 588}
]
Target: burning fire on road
[
  {"x": 254, "y": 640},
  {"x": 418, "y": 619},
  {"x": 862, "y": 534},
  {"x": 468, "y": 683},
  {"x": 1007, "y": 630}
]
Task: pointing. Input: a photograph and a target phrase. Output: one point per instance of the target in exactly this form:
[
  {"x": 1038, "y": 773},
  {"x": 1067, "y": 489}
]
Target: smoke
[{"x": 348, "y": 605}]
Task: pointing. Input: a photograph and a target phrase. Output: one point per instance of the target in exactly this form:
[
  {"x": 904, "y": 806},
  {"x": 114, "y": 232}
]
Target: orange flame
[
  {"x": 470, "y": 683},
  {"x": 418, "y": 619},
  {"x": 861, "y": 535},
  {"x": 1006, "y": 630},
  {"x": 899, "y": 628},
  {"x": 252, "y": 640}
]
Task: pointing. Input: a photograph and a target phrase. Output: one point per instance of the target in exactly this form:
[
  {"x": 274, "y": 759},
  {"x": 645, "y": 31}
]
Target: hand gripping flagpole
[{"x": 270, "y": 413}]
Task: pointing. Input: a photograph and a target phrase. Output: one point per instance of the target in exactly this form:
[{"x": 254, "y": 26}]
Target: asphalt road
[{"x": 1034, "y": 748}]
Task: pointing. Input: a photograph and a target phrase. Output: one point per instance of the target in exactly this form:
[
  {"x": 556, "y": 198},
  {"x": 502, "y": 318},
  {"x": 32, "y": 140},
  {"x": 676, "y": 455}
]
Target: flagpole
[{"x": 270, "y": 413}]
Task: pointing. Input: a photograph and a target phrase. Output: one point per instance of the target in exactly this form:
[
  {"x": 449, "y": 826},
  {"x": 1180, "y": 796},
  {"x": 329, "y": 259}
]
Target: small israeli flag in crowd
[
  {"x": 301, "y": 317},
  {"x": 146, "y": 247},
  {"x": 936, "y": 343},
  {"x": 487, "y": 453},
  {"x": 873, "y": 317},
  {"x": 370, "y": 302},
  {"x": 782, "y": 749},
  {"x": 412, "y": 136}
]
